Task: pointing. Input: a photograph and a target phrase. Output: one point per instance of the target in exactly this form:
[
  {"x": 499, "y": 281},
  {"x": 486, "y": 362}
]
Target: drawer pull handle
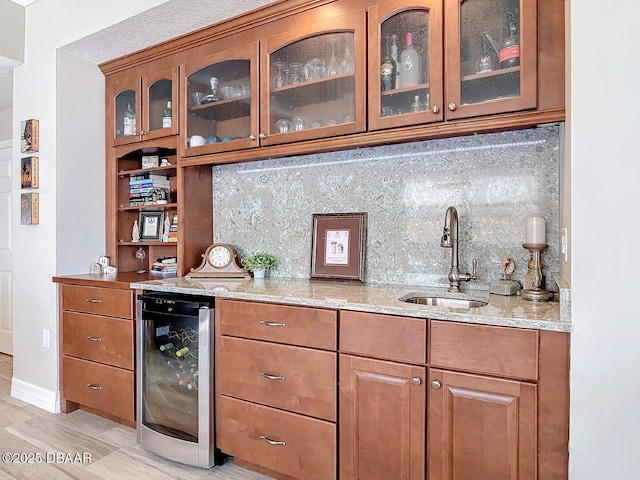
[
  {"x": 272, "y": 377},
  {"x": 94, "y": 300},
  {"x": 272, "y": 324},
  {"x": 93, "y": 339},
  {"x": 94, "y": 387},
  {"x": 271, "y": 442}
]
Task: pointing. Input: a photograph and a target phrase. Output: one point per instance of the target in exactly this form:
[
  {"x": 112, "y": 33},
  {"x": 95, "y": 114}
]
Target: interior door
[{"x": 6, "y": 310}]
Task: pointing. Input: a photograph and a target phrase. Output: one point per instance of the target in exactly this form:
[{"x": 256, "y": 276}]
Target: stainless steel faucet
[{"x": 450, "y": 240}]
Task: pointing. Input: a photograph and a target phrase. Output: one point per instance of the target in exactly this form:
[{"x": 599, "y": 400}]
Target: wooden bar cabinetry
[{"x": 97, "y": 371}]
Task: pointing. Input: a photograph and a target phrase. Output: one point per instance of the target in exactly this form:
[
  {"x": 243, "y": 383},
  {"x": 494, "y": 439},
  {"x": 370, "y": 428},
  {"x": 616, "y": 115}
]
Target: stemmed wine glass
[
  {"x": 141, "y": 255},
  {"x": 333, "y": 67},
  {"x": 294, "y": 75},
  {"x": 278, "y": 79}
]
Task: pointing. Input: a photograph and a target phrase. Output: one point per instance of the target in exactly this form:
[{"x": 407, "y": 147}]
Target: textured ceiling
[{"x": 166, "y": 21}]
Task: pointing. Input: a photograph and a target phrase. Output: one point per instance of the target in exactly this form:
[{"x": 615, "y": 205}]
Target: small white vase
[{"x": 258, "y": 274}]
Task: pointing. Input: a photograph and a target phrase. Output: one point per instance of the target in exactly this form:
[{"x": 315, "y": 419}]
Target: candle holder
[{"x": 537, "y": 292}]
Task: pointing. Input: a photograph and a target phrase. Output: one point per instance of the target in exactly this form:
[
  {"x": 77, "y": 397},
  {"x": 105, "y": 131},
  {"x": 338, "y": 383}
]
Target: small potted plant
[{"x": 259, "y": 263}]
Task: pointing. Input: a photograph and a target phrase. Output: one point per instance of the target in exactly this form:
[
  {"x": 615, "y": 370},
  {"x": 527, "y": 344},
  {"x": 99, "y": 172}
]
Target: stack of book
[
  {"x": 173, "y": 230},
  {"x": 148, "y": 189},
  {"x": 166, "y": 266}
]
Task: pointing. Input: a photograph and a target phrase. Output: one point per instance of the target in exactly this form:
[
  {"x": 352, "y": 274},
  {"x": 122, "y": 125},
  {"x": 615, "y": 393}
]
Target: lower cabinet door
[
  {"x": 382, "y": 420},
  {"x": 105, "y": 388},
  {"x": 295, "y": 445},
  {"x": 481, "y": 428}
]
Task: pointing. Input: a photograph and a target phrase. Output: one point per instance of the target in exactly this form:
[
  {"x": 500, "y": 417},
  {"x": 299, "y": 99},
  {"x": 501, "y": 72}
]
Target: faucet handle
[{"x": 474, "y": 269}]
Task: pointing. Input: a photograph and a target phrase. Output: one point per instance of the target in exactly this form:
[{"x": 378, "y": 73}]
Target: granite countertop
[{"x": 502, "y": 311}]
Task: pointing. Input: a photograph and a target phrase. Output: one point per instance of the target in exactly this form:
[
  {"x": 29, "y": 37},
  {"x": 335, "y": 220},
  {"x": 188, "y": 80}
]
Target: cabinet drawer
[
  {"x": 309, "y": 449},
  {"x": 384, "y": 336},
  {"x": 102, "y": 339},
  {"x": 308, "y": 386},
  {"x": 113, "y": 390},
  {"x": 504, "y": 351},
  {"x": 104, "y": 301},
  {"x": 309, "y": 327}
]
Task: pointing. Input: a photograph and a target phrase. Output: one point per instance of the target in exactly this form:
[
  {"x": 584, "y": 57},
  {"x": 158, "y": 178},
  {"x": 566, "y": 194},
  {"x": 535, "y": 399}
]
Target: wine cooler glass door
[{"x": 174, "y": 379}]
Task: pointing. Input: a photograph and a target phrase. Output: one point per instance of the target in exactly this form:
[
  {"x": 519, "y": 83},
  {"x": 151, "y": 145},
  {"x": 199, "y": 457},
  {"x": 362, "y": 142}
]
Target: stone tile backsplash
[{"x": 494, "y": 180}]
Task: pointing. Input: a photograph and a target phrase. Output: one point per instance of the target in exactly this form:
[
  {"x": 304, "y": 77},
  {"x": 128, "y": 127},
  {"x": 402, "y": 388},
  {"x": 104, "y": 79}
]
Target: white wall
[
  {"x": 80, "y": 164},
  {"x": 605, "y": 356},
  {"x": 51, "y": 24}
]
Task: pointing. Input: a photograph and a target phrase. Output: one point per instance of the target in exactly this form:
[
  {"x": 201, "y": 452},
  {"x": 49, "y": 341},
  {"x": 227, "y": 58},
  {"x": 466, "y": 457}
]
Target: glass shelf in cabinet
[
  {"x": 314, "y": 91},
  {"x": 224, "y": 109}
]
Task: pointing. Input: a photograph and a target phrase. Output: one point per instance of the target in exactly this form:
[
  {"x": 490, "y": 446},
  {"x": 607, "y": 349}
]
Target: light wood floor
[{"x": 114, "y": 453}]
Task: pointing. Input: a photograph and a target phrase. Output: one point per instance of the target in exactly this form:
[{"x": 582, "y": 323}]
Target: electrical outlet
[
  {"x": 564, "y": 244},
  {"x": 45, "y": 337}
]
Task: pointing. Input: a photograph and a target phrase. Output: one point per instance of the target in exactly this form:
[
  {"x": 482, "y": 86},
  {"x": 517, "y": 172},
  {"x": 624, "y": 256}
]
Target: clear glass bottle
[
  {"x": 394, "y": 55},
  {"x": 410, "y": 64},
  {"x": 167, "y": 116},
  {"x": 347, "y": 65},
  {"x": 129, "y": 121},
  {"x": 416, "y": 106},
  {"x": 387, "y": 68}
]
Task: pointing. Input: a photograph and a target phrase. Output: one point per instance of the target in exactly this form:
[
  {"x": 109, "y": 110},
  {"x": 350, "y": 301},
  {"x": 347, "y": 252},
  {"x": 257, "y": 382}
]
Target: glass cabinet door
[
  {"x": 405, "y": 58},
  {"x": 220, "y": 102},
  {"x": 123, "y": 108},
  {"x": 313, "y": 81},
  {"x": 160, "y": 110},
  {"x": 493, "y": 67}
]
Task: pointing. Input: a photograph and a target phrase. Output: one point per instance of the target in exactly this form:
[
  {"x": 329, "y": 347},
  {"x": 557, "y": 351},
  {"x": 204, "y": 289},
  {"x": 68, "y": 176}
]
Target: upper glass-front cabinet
[
  {"x": 220, "y": 95},
  {"x": 405, "y": 63},
  {"x": 144, "y": 106},
  {"x": 492, "y": 56},
  {"x": 312, "y": 81}
]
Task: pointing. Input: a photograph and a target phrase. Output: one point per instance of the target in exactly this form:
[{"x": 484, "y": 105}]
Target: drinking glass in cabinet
[{"x": 278, "y": 80}]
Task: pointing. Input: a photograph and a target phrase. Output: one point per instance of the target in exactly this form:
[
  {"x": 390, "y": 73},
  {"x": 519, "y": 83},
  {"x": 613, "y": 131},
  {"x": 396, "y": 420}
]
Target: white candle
[{"x": 536, "y": 233}]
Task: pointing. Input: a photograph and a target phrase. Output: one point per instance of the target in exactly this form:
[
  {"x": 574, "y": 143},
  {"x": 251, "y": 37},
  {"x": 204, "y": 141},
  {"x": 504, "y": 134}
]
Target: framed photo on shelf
[
  {"x": 150, "y": 226},
  {"x": 338, "y": 246}
]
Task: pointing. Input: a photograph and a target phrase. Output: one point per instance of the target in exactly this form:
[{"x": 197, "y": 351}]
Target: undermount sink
[{"x": 445, "y": 302}]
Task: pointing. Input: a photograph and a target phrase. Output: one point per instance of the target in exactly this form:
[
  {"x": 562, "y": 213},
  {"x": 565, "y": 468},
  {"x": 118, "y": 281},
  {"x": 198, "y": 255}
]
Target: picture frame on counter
[
  {"x": 338, "y": 246},
  {"x": 151, "y": 226}
]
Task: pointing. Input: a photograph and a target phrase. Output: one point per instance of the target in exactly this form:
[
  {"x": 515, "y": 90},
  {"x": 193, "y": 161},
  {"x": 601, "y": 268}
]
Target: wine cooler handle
[
  {"x": 94, "y": 300},
  {"x": 93, "y": 339},
  {"x": 271, "y": 442},
  {"x": 272, "y": 377},
  {"x": 272, "y": 324},
  {"x": 94, "y": 387}
]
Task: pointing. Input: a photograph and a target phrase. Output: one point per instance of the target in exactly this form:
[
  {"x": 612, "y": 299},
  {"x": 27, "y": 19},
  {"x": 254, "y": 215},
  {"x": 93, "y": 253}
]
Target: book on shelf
[
  {"x": 166, "y": 260},
  {"x": 136, "y": 177}
]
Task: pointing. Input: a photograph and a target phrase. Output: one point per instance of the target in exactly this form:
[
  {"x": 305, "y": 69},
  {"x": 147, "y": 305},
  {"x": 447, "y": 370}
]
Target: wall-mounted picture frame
[
  {"x": 29, "y": 209},
  {"x": 338, "y": 246},
  {"x": 150, "y": 226},
  {"x": 29, "y": 136},
  {"x": 29, "y": 172}
]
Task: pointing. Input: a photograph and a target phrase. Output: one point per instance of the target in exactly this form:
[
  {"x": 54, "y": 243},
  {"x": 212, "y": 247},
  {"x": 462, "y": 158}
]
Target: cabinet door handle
[
  {"x": 252, "y": 137},
  {"x": 271, "y": 442},
  {"x": 94, "y": 300},
  {"x": 94, "y": 387},
  {"x": 436, "y": 384},
  {"x": 416, "y": 381},
  {"x": 272, "y": 377},
  {"x": 435, "y": 109},
  {"x": 272, "y": 324},
  {"x": 93, "y": 339},
  {"x": 452, "y": 106},
  {"x": 262, "y": 136}
]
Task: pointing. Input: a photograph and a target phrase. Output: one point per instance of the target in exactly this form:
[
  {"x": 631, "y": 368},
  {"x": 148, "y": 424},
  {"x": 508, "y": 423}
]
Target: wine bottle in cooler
[
  {"x": 387, "y": 68},
  {"x": 410, "y": 64}
]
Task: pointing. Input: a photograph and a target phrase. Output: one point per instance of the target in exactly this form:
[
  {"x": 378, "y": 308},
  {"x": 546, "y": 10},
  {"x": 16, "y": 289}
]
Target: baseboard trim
[{"x": 37, "y": 396}]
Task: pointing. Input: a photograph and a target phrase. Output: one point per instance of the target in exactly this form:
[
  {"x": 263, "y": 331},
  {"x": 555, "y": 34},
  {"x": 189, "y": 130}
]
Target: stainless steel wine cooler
[{"x": 174, "y": 397}]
